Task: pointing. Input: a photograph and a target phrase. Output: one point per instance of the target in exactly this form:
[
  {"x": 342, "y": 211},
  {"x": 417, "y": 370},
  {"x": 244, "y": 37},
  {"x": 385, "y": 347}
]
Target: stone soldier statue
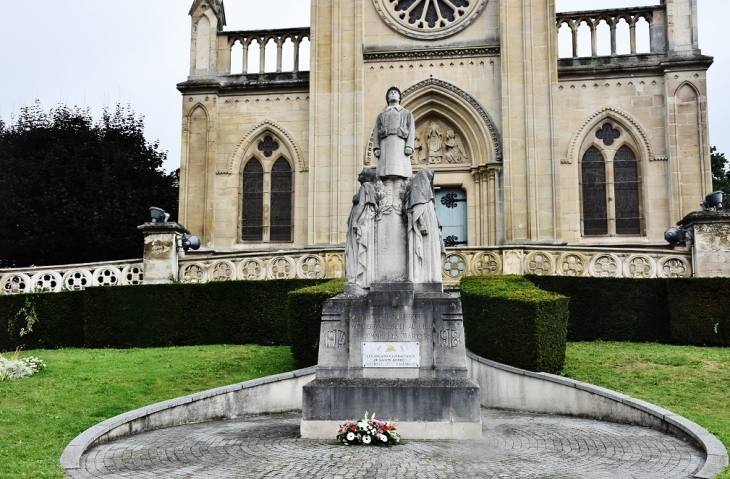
[
  {"x": 393, "y": 137},
  {"x": 359, "y": 247},
  {"x": 426, "y": 251}
]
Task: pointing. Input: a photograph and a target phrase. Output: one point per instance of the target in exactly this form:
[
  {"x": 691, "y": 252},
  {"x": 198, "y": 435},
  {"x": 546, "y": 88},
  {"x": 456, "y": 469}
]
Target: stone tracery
[{"x": 429, "y": 18}]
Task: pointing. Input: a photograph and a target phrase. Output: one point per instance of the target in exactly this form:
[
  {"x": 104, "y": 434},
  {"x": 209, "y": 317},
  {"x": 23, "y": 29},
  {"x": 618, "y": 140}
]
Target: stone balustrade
[
  {"x": 227, "y": 40},
  {"x": 329, "y": 263},
  {"x": 654, "y": 15},
  {"x": 567, "y": 261},
  {"x": 72, "y": 277}
]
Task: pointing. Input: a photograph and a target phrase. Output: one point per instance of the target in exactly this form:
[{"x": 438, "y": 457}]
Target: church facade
[{"x": 590, "y": 148}]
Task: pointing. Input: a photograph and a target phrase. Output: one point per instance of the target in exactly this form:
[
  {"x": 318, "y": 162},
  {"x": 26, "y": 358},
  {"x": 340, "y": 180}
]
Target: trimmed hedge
[
  {"x": 692, "y": 311},
  {"x": 226, "y": 312},
  {"x": 60, "y": 321},
  {"x": 509, "y": 320},
  {"x": 612, "y": 309},
  {"x": 700, "y": 311},
  {"x": 305, "y": 317}
]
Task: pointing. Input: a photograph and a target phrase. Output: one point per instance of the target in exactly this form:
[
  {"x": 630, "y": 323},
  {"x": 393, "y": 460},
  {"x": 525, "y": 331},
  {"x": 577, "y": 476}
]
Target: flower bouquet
[
  {"x": 368, "y": 432},
  {"x": 15, "y": 368}
]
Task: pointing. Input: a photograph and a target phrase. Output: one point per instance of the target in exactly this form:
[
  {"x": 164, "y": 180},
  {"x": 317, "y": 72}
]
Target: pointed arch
[
  {"x": 689, "y": 84},
  {"x": 632, "y": 127},
  {"x": 256, "y": 131},
  {"x": 217, "y": 8},
  {"x": 198, "y": 106},
  {"x": 434, "y": 96}
]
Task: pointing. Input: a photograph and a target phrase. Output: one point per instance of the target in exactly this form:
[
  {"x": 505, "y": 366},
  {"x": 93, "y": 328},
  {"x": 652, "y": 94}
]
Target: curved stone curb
[
  {"x": 278, "y": 393},
  {"x": 506, "y": 387},
  {"x": 502, "y": 387}
]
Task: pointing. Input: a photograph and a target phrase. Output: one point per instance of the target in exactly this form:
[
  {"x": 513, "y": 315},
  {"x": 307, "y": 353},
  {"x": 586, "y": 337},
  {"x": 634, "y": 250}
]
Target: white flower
[
  {"x": 382, "y": 437},
  {"x": 350, "y": 436},
  {"x": 362, "y": 424},
  {"x": 366, "y": 439}
]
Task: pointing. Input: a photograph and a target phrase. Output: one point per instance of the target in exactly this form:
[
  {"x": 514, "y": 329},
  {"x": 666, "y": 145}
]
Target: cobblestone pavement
[{"x": 513, "y": 445}]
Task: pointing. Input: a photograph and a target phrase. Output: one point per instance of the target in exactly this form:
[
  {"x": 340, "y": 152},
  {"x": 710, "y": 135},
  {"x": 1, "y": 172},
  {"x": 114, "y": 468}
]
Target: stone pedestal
[
  {"x": 398, "y": 352},
  {"x": 160, "y": 252},
  {"x": 710, "y": 235}
]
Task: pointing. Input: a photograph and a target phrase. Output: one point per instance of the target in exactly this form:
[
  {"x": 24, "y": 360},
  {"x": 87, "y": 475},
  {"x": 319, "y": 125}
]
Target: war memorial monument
[{"x": 393, "y": 343}]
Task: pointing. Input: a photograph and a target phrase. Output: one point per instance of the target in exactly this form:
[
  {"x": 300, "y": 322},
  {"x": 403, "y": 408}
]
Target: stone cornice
[
  {"x": 429, "y": 54},
  {"x": 623, "y": 64},
  {"x": 703, "y": 217},
  {"x": 255, "y": 81}
]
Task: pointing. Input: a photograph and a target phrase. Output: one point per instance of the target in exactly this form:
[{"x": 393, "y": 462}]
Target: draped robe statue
[
  {"x": 360, "y": 244},
  {"x": 426, "y": 251}
]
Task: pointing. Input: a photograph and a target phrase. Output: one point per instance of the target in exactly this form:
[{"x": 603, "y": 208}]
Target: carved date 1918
[{"x": 448, "y": 338}]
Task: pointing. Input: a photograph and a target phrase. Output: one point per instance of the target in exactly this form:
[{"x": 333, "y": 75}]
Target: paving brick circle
[{"x": 513, "y": 445}]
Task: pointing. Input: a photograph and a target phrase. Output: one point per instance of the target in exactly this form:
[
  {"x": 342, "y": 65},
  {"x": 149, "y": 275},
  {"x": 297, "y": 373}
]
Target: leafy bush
[
  {"x": 509, "y": 320},
  {"x": 305, "y": 316},
  {"x": 700, "y": 311},
  {"x": 612, "y": 309}
]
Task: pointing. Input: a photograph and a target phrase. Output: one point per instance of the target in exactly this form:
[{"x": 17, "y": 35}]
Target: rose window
[{"x": 429, "y": 18}]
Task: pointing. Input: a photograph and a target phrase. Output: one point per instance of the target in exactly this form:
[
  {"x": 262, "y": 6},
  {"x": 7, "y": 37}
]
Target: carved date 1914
[{"x": 335, "y": 338}]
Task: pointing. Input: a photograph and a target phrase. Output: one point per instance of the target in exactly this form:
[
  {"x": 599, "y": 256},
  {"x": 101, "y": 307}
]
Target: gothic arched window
[
  {"x": 252, "y": 224},
  {"x": 595, "y": 217},
  {"x": 610, "y": 186},
  {"x": 281, "y": 201},
  {"x": 626, "y": 189}
]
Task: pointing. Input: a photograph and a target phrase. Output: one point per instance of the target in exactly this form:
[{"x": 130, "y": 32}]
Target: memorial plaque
[{"x": 391, "y": 355}]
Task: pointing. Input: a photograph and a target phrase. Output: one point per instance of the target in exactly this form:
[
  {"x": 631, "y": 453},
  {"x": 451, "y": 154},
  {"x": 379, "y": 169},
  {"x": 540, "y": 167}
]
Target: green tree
[
  {"x": 720, "y": 180},
  {"x": 74, "y": 190}
]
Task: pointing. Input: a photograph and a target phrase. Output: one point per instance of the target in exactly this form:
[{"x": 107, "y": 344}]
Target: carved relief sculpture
[
  {"x": 426, "y": 251},
  {"x": 454, "y": 149},
  {"x": 417, "y": 157},
  {"x": 359, "y": 247},
  {"x": 434, "y": 147},
  {"x": 435, "y": 135}
]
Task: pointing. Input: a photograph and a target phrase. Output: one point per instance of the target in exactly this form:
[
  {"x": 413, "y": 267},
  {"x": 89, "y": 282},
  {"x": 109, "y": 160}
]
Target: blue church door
[{"x": 451, "y": 211}]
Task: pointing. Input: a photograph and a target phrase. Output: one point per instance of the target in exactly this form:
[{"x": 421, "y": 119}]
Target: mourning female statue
[
  {"x": 426, "y": 251},
  {"x": 393, "y": 137},
  {"x": 359, "y": 248}
]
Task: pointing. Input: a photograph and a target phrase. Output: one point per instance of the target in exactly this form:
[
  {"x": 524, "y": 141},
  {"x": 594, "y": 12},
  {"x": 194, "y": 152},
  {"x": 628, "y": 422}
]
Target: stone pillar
[
  {"x": 336, "y": 117},
  {"x": 160, "y": 251},
  {"x": 682, "y": 27},
  {"x": 531, "y": 158},
  {"x": 710, "y": 235},
  {"x": 391, "y": 260}
]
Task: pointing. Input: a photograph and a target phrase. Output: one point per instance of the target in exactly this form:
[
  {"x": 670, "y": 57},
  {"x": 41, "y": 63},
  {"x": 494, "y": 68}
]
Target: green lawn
[
  {"x": 690, "y": 381},
  {"x": 41, "y": 414}
]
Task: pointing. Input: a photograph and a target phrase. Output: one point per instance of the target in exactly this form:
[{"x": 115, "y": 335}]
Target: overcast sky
[{"x": 96, "y": 53}]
